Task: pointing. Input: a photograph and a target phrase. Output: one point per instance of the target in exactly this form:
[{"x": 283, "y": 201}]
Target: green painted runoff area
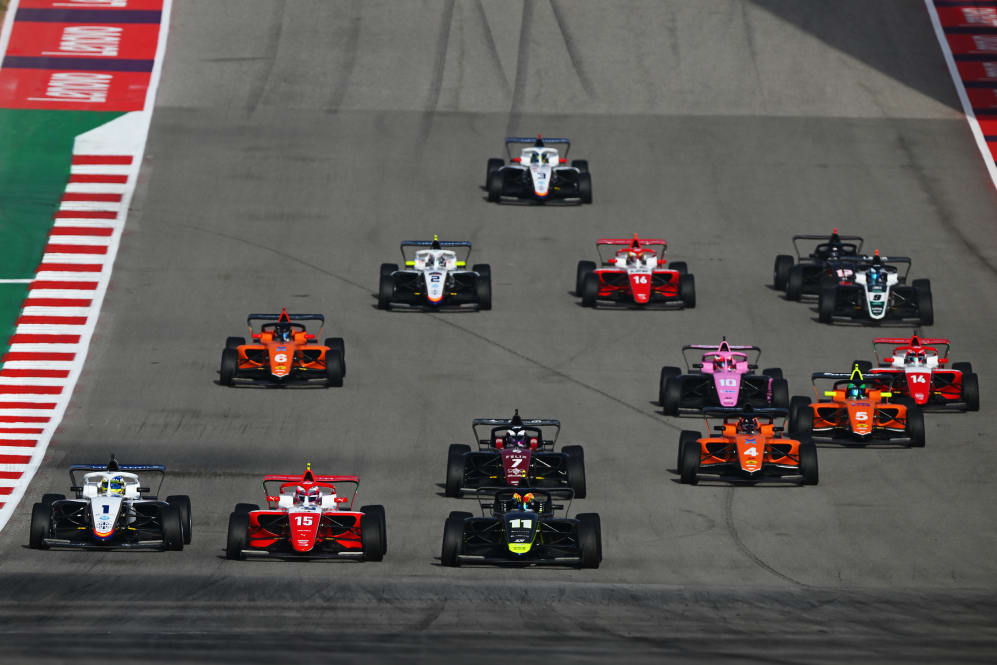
[{"x": 36, "y": 149}]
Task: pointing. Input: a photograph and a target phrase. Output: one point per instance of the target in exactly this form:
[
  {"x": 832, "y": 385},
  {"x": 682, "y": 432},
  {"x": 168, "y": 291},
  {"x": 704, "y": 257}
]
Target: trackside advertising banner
[{"x": 77, "y": 86}]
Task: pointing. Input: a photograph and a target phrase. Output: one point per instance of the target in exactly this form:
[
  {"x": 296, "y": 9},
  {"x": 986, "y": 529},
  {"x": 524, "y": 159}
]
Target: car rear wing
[
  {"x": 752, "y": 363},
  {"x": 867, "y": 262},
  {"x": 514, "y": 140},
  {"x": 908, "y": 343},
  {"x": 538, "y": 423},
  {"x": 857, "y": 240},
  {"x": 485, "y": 496},
  {"x": 286, "y": 479},
  {"x": 768, "y": 412},
  {"x": 292, "y": 317},
  {"x": 630, "y": 241},
  {"x": 76, "y": 485},
  {"x": 442, "y": 244}
]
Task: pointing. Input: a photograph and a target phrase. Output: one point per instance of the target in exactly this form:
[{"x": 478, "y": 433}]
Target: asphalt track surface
[{"x": 296, "y": 143}]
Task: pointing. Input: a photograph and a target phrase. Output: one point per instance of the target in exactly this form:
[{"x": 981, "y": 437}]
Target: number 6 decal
[{"x": 280, "y": 357}]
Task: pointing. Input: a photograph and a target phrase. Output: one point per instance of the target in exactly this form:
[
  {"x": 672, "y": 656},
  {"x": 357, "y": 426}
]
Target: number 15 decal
[{"x": 304, "y": 520}]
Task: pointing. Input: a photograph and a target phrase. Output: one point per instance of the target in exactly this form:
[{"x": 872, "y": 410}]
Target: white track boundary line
[
  {"x": 967, "y": 107},
  {"x": 126, "y": 134}
]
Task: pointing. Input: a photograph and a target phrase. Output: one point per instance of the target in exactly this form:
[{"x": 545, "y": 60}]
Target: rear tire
[
  {"x": 581, "y": 164},
  {"x": 585, "y": 187},
  {"x": 825, "y": 305},
  {"x": 233, "y": 342},
  {"x": 245, "y": 508},
  {"x": 687, "y": 290},
  {"x": 686, "y": 438},
  {"x": 238, "y": 536},
  {"x": 333, "y": 370},
  {"x": 385, "y": 291},
  {"x": 915, "y": 427},
  {"x": 689, "y": 467},
  {"x": 49, "y": 499},
  {"x": 373, "y": 533},
  {"x": 971, "y": 391},
  {"x": 388, "y": 268},
  {"x": 337, "y": 345},
  {"x": 590, "y": 539},
  {"x": 780, "y": 394},
  {"x": 794, "y": 283},
  {"x": 965, "y": 368},
  {"x": 182, "y": 503},
  {"x": 925, "y": 305},
  {"x": 666, "y": 373},
  {"x": 41, "y": 523},
  {"x": 453, "y": 542},
  {"x": 672, "y": 400},
  {"x": 483, "y": 288},
  {"x": 585, "y": 268},
  {"x": 229, "y": 367},
  {"x": 574, "y": 467},
  {"x": 169, "y": 516},
  {"x": 780, "y": 273},
  {"x": 681, "y": 267},
  {"x": 496, "y": 183},
  {"x": 808, "y": 463},
  {"x": 590, "y": 290},
  {"x": 494, "y": 164},
  {"x": 455, "y": 469},
  {"x": 773, "y": 372}
]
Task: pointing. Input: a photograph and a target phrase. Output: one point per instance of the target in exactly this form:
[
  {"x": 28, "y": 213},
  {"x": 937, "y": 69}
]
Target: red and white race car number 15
[{"x": 304, "y": 520}]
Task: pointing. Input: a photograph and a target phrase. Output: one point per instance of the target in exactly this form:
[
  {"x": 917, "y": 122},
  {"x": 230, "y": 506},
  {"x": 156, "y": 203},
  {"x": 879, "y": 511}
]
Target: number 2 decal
[{"x": 435, "y": 277}]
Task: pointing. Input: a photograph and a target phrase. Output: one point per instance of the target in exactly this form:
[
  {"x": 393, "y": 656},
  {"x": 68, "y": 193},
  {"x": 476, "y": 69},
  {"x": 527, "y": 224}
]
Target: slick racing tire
[
  {"x": 494, "y": 164},
  {"x": 965, "y": 368},
  {"x": 334, "y": 371},
  {"x": 483, "y": 288},
  {"x": 585, "y": 268},
  {"x": 459, "y": 515},
  {"x": 689, "y": 467},
  {"x": 453, "y": 542},
  {"x": 772, "y": 372},
  {"x": 686, "y": 438},
  {"x": 672, "y": 400},
  {"x": 245, "y": 508},
  {"x": 233, "y": 342},
  {"x": 808, "y": 463},
  {"x": 169, "y": 517},
  {"x": 337, "y": 345},
  {"x": 590, "y": 539},
  {"x": 915, "y": 427},
  {"x": 574, "y": 469},
  {"x": 804, "y": 425},
  {"x": 49, "y": 499},
  {"x": 971, "y": 391},
  {"x": 41, "y": 521},
  {"x": 794, "y": 283},
  {"x": 780, "y": 273},
  {"x": 182, "y": 503},
  {"x": 825, "y": 305},
  {"x": 796, "y": 405},
  {"x": 687, "y": 290},
  {"x": 666, "y": 373},
  {"x": 385, "y": 291},
  {"x": 780, "y": 394},
  {"x": 681, "y": 267},
  {"x": 388, "y": 268},
  {"x": 229, "y": 367},
  {"x": 455, "y": 469},
  {"x": 373, "y": 533},
  {"x": 590, "y": 290},
  {"x": 585, "y": 187},
  {"x": 925, "y": 306},
  {"x": 238, "y": 536},
  {"x": 581, "y": 164},
  {"x": 496, "y": 183}
]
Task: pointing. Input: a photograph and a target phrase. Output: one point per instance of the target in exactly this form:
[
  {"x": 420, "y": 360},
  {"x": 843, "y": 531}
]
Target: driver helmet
[
  {"x": 855, "y": 390},
  {"x": 922, "y": 357},
  {"x": 307, "y": 496},
  {"x": 282, "y": 333},
  {"x": 747, "y": 425},
  {"x": 516, "y": 438},
  {"x": 910, "y": 357},
  {"x": 631, "y": 258},
  {"x": 114, "y": 487},
  {"x": 523, "y": 501},
  {"x": 876, "y": 276},
  {"x": 534, "y": 158}
]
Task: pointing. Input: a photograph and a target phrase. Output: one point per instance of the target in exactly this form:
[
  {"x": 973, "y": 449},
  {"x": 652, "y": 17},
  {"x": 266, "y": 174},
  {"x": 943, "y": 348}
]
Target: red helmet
[{"x": 308, "y": 496}]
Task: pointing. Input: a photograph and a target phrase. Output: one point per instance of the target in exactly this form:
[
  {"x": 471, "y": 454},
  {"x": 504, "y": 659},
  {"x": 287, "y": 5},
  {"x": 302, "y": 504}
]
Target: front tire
[
  {"x": 455, "y": 469},
  {"x": 229, "y": 367},
  {"x": 373, "y": 532},
  {"x": 590, "y": 290},
  {"x": 780, "y": 273},
  {"x": 574, "y": 468},
  {"x": 496, "y": 183},
  {"x": 333, "y": 370},
  {"x": 794, "y": 283},
  {"x": 172, "y": 527},
  {"x": 825, "y": 305},
  {"x": 689, "y": 467},
  {"x": 686, "y": 438},
  {"x": 494, "y": 164},
  {"x": 182, "y": 503},
  {"x": 483, "y": 287},
  {"x": 666, "y": 374},
  {"x": 41, "y": 524},
  {"x": 804, "y": 424},
  {"x": 808, "y": 463},
  {"x": 796, "y": 406},
  {"x": 780, "y": 394},
  {"x": 925, "y": 305},
  {"x": 453, "y": 542},
  {"x": 585, "y": 268},
  {"x": 238, "y": 536},
  {"x": 590, "y": 539},
  {"x": 585, "y": 187},
  {"x": 672, "y": 400},
  {"x": 338, "y": 345},
  {"x": 687, "y": 290},
  {"x": 385, "y": 291},
  {"x": 971, "y": 391},
  {"x": 915, "y": 427}
]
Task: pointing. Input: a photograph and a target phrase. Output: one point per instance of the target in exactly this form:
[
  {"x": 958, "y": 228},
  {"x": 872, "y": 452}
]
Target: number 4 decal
[{"x": 751, "y": 452}]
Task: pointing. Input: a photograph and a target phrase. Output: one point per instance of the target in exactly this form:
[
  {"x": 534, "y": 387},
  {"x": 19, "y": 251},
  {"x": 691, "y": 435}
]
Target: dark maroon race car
[{"x": 514, "y": 452}]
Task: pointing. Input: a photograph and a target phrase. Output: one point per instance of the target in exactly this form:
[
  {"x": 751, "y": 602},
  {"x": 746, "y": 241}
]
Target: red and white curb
[
  {"x": 967, "y": 33},
  {"x": 49, "y": 345}
]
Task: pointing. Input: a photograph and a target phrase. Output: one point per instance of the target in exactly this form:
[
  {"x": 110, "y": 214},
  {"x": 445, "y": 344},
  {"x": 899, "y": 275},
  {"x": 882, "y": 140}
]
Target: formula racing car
[
  {"x": 283, "y": 351},
  {"x": 435, "y": 276},
  {"x": 111, "y": 510},
  {"x": 514, "y": 452},
  {"x": 918, "y": 369},
  {"x": 748, "y": 447},
  {"x": 519, "y": 526},
  {"x": 876, "y": 291},
  {"x": 634, "y": 272},
  {"x": 539, "y": 174},
  {"x": 807, "y": 274},
  {"x": 723, "y": 377},
  {"x": 858, "y": 410},
  {"x": 307, "y": 517}
]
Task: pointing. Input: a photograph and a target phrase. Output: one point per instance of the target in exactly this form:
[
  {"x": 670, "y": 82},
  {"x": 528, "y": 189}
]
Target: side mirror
[{"x": 829, "y": 393}]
